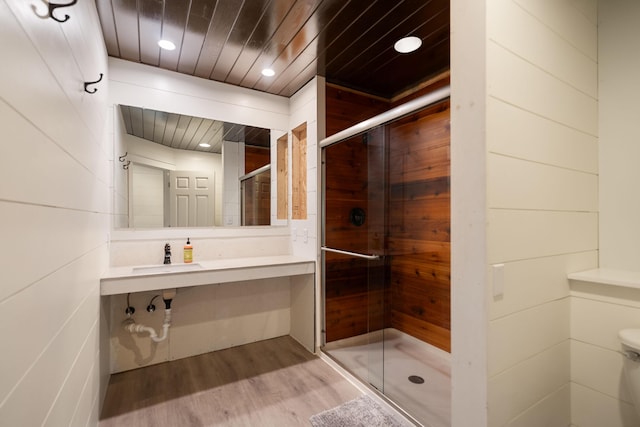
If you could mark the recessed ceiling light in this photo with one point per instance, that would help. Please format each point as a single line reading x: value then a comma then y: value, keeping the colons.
x: 166, y: 44
x: 268, y: 72
x: 204, y: 145
x: 407, y: 44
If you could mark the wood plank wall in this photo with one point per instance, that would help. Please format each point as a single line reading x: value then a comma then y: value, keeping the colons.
x: 346, y: 281
x: 417, y: 270
x: 255, y: 157
x: 347, y: 278
x: 282, y: 177
x: 257, y: 190
x: 299, y: 172
x: 419, y: 225
x: 345, y: 108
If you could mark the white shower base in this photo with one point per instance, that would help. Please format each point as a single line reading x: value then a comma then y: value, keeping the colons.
x: 395, y: 358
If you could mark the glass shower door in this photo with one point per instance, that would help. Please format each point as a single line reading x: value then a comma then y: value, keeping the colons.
x: 386, y: 208
x: 355, y: 272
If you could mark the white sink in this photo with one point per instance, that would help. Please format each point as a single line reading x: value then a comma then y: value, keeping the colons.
x: 167, y: 268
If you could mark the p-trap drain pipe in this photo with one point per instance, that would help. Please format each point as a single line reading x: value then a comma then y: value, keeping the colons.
x: 131, y: 326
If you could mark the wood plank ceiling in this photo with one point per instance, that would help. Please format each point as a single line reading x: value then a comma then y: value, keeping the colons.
x: 350, y: 42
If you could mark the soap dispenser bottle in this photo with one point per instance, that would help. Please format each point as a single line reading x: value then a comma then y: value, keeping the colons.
x: 188, y: 252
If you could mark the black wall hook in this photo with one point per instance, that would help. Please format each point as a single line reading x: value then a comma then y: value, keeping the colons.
x: 121, y: 158
x: 126, y: 165
x: 53, y: 6
x: 92, y: 83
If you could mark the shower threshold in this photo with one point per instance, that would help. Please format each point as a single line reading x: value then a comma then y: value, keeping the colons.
x: 403, y: 359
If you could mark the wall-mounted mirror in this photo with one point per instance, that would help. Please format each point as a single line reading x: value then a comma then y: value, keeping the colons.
x: 186, y: 171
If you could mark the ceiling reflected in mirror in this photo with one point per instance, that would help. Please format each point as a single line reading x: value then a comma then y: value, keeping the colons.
x: 185, y: 132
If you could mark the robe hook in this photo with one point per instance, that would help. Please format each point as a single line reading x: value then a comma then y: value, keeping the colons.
x: 126, y: 165
x: 92, y: 83
x: 53, y: 6
x: 121, y: 158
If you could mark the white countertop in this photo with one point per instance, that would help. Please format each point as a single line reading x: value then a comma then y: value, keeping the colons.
x: 606, y: 276
x: 121, y: 280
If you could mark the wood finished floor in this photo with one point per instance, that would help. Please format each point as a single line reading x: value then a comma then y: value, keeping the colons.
x: 269, y: 383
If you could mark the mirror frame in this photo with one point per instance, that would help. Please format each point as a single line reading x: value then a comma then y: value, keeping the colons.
x: 150, y: 87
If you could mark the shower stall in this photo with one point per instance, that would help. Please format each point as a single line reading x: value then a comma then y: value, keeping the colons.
x: 386, y: 255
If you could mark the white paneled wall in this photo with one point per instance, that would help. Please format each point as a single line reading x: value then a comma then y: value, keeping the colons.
x: 599, y: 389
x: 55, y: 203
x: 304, y: 109
x: 308, y: 106
x: 233, y: 161
x: 150, y: 87
x: 542, y: 198
x: 599, y: 392
x: 468, y: 214
x: 204, y: 319
x: 619, y: 84
x: 120, y: 177
x: 147, y: 190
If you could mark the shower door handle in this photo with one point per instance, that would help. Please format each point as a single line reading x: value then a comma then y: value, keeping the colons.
x: 355, y: 254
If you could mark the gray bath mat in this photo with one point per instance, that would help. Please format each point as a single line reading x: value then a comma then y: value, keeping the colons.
x: 360, y: 412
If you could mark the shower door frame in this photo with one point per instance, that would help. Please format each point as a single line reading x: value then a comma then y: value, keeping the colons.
x: 375, y: 157
x: 395, y: 113
x: 361, y: 128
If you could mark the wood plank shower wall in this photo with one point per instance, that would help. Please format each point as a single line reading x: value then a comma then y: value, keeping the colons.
x: 418, y: 235
x: 257, y: 190
x: 419, y: 225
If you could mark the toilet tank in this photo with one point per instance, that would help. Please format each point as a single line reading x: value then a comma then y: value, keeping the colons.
x: 630, y: 341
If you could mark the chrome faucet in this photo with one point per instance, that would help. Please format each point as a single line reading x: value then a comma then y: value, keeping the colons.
x: 167, y: 254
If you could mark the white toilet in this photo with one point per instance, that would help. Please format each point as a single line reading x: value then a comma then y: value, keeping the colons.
x: 630, y: 340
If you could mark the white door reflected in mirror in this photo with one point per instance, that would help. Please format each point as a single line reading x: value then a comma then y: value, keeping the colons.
x: 191, y: 199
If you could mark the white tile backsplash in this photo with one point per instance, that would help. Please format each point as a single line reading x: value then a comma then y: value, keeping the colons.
x: 205, y: 247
